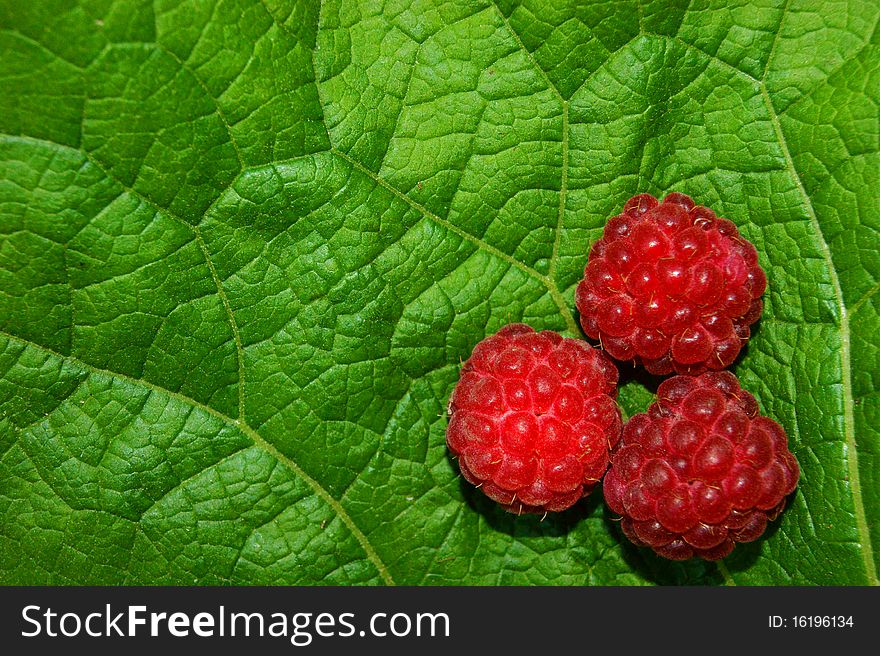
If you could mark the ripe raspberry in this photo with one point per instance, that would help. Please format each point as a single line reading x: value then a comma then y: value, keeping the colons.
x: 701, y: 470
x: 533, y: 417
x: 672, y: 286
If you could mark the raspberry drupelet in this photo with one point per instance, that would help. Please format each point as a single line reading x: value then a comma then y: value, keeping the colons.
x: 701, y: 470
x: 672, y: 286
x: 533, y: 418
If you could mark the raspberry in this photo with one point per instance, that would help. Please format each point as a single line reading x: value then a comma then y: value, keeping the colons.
x: 701, y: 470
x: 672, y: 286
x: 533, y: 417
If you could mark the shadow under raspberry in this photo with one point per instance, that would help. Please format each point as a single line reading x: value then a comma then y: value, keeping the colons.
x: 694, y: 571
x: 526, y: 524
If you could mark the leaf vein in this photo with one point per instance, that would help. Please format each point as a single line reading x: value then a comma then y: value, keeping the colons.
x: 852, y: 456
x: 553, y: 290
x: 255, y: 437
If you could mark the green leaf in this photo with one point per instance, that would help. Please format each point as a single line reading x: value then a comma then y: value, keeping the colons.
x: 245, y: 244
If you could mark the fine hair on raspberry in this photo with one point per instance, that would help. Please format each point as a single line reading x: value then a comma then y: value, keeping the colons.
x: 701, y: 471
x: 533, y: 417
x: 671, y: 286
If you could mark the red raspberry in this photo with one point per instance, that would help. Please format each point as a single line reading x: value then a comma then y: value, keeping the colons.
x: 672, y: 286
x: 701, y: 470
x: 533, y: 417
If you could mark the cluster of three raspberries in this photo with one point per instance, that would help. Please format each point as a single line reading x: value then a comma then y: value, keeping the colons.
x: 533, y: 419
